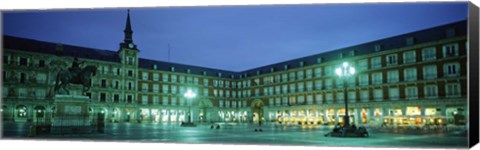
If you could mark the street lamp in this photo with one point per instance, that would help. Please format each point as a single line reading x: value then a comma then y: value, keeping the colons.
x: 344, y: 72
x: 189, y: 95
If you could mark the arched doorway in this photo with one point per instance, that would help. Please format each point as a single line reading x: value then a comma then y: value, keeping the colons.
x: 116, y: 114
x: 39, y: 114
x: 205, y: 114
x: 21, y: 113
x: 257, y: 110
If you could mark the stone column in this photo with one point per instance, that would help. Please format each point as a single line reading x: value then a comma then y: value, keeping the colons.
x: 358, y: 116
x: 404, y: 110
x: 325, y: 115
x: 336, y: 116
x: 370, y: 116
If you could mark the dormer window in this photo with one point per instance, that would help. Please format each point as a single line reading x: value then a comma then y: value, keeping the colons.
x: 172, y: 69
x: 204, y: 73
x: 219, y: 74
x: 155, y: 66
x: 232, y: 76
x: 302, y: 63
x: 272, y: 69
x: 258, y: 72
x: 319, y: 60
x: 352, y: 53
x: 378, y: 47
x: 340, y: 55
x: 450, y: 32
x: 410, y: 41
x: 285, y: 67
x: 188, y: 70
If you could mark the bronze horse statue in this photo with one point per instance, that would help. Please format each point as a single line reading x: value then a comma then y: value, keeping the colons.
x: 65, y: 77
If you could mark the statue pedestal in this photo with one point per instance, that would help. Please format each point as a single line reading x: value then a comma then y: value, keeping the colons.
x: 71, y: 115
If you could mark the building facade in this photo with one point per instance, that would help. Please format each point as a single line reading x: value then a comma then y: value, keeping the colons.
x: 412, y: 79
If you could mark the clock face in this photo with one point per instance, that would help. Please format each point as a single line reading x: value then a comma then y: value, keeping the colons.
x: 130, y: 45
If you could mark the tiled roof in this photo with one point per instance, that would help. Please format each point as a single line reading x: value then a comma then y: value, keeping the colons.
x: 422, y: 36
x: 23, y: 44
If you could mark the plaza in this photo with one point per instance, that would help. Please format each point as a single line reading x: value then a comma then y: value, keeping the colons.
x: 243, y: 133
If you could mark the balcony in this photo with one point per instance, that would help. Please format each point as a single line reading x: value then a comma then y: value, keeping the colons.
x: 376, y: 66
x: 410, y: 78
x: 429, y: 57
x: 393, y: 80
x: 410, y: 97
x: 409, y: 60
x: 430, y: 76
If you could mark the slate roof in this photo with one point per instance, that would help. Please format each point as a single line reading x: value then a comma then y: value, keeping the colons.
x: 422, y: 36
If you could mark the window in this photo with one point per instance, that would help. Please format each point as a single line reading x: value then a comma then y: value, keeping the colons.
x: 156, y: 88
x: 165, y: 77
x: 429, y: 53
x: 378, y: 94
x: 319, y: 98
x: 292, y: 76
x: 165, y: 100
x: 309, y: 86
x: 144, y: 87
x: 205, y: 82
x: 429, y: 72
x: 285, y: 77
x: 339, y: 82
x: 364, y: 96
x: 130, y: 87
x: 309, y: 73
x: 328, y: 83
x: 328, y: 71
x: 329, y: 98
x: 144, y: 100
x: 431, y: 91
x: 410, y: 74
x: 451, y: 69
x: 23, y: 61
x: 300, y: 75
x: 392, y: 76
x: 376, y: 62
x: 378, y: 48
x: 318, y: 72
x: 362, y: 65
x: 156, y: 100
x: 173, y: 101
x: 363, y: 79
x: 393, y: 93
x: 409, y: 57
x: 450, y: 50
x: 164, y: 89
x: 292, y: 88
x: 452, y: 90
x: 285, y: 89
x: 103, y: 97
x: 41, y: 63
x: 377, y: 78
x: 103, y: 83
x: 129, y: 99
x: 352, y: 96
x: 391, y: 59
x: 285, y: 101
x: 411, y: 92
x: 155, y: 77
x: 300, y: 86
x: 116, y: 98
x: 309, y: 99
x: 301, y: 99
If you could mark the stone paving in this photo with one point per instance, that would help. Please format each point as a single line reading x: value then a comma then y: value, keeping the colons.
x: 273, y: 134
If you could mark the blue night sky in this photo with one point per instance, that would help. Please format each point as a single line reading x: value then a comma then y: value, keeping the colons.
x: 233, y: 38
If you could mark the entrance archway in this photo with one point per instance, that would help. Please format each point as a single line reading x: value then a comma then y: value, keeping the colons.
x: 39, y: 114
x: 21, y: 113
x: 205, y: 114
x: 257, y: 110
x: 4, y: 112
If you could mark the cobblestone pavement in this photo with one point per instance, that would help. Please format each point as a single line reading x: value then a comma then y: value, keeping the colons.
x: 272, y: 134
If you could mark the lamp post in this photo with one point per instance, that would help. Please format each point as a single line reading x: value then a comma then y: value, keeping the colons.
x: 189, y: 95
x: 344, y: 72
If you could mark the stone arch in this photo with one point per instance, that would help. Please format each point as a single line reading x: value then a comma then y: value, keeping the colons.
x: 205, y: 113
x: 5, y: 112
x: 257, y: 110
x: 21, y: 113
x: 39, y: 113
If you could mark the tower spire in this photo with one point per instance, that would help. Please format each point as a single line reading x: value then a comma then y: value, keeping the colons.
x: 128, y: 30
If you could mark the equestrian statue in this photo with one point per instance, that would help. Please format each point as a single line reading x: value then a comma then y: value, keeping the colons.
x: 75, y: 75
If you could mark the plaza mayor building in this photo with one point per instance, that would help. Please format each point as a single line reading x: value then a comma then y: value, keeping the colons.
x: 415, y: 78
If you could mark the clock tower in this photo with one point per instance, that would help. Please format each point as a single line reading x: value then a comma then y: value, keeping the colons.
x: 128, y: 55
x: 128, y: 41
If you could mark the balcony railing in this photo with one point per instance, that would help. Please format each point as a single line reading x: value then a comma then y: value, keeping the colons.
x: 430, y: 76
x: 409, y: 60
x: 429, y: 57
